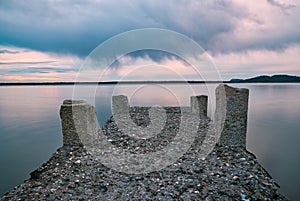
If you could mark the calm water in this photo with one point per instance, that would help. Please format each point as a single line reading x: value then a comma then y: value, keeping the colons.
x: 30, y: 129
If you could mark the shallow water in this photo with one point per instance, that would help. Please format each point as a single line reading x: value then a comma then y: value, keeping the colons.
x: 30, y: 129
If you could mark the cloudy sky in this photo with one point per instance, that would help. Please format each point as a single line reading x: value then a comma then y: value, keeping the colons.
x: 49, y: 40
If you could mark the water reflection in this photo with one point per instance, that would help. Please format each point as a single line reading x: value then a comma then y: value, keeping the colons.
x: 273, y: 132
x: 30, y: 130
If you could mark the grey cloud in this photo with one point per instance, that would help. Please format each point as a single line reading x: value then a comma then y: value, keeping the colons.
x: 77, y: 27
x: 35, y: 70
x: 284, y: 7
x: 66, y: 26
x: 8, y: 52
x: 51, y: 69
x: 26, y: 62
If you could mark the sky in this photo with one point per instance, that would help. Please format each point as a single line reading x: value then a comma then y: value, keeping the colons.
x: 50, y: 40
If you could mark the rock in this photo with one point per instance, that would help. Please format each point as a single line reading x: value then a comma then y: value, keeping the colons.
x: 153, y: 191
x: 242, y: 159
x: 235, y: 177
x: 35, y: 174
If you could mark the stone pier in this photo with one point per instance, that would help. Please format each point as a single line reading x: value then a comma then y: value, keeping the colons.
x: 230, y: 116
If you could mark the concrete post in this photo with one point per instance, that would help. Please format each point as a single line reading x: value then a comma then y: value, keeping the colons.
x: 199, y: 105
x: 232, y: 108
x: 120, y: 105
x: 79, y: 121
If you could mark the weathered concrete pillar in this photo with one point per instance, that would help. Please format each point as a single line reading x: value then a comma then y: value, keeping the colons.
x: 120, y: 105
x: 232, y: 109
x: 79, y: 121
x: 199, y: 105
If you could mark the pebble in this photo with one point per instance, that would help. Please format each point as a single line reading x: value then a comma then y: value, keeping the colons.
x: 153, y: 191
x: 242, y: 159
x: 235, y: 177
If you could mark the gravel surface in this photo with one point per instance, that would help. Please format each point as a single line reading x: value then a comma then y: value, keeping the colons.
x: 227, y: 173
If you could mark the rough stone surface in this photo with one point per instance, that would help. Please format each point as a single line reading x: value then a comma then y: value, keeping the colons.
x: 231, y: 113
x: 199, y: 105
x: 120, y: 105
x: 70, y: 136
x: 77, y: 117
x: 227, y: 173
x: 157, y: 117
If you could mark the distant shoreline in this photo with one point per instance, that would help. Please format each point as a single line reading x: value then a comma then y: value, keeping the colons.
x: 258, y: 79
x: 114, y: 83
x: 107, y: 83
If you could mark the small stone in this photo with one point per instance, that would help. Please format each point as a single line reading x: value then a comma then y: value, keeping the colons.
x: 243, y: 197
x: 190, y: 180
x: 78, y: 162
x: 242, y: 159
x: 235, y: 177
x: 153, y: 191
x: 71, y: 191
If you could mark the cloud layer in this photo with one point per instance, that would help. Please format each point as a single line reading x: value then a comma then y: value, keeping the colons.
x: 225, y: 28
x: 79, y: 26
x: 19, y: 64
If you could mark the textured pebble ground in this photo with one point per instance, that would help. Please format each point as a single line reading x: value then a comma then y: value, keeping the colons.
x: 227, y: 173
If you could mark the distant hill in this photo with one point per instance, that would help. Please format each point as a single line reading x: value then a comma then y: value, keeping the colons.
x: 265, y: 78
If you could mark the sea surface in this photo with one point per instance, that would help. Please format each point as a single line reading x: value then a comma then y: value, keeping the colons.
x: 30, y: 127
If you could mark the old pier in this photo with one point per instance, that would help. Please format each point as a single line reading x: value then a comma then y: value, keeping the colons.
x: 230, y: 115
